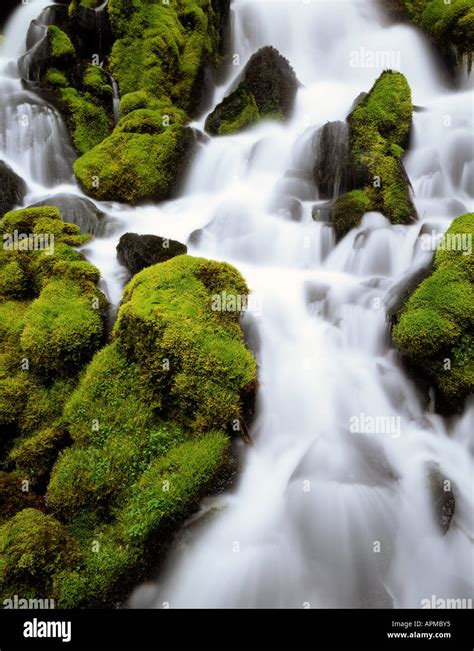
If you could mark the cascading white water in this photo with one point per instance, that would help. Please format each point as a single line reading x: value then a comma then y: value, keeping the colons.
x: 33, y: 137
x: 314, y: 501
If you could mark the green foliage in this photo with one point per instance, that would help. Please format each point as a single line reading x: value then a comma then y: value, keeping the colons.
x: 97, y: 83
x: 45, y: 338
x: 438, y: 320
x: 34, y: 548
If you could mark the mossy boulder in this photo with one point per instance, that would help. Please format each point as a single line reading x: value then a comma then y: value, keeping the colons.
x: 449, y: 25
x: 134, y: 167
x: 434, y: 331
x: 150, y: 421
x: 15, y: 495
x: 139, y: 251
x: 266, y: 90
x: 379, y: 131
x: 52, y: 322
x: 34, y: 548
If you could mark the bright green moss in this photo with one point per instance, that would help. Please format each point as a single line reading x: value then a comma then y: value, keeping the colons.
x: 132, y: 167
x: 379, y: 129
x: 33, y: 549
x: 448, y: 24
x: 60, y: 43
x: 236, y: 112
x: 55, y: 78
x: 348, y: 211
x: 210, y: 368
x: 97, y: 83
x: 25, y: 219
x: 148, y: 422
x: 63, y: 328
x: 182, y: 476
x: 89, y: 122
x: 35, y: 456
x: 435, y: 329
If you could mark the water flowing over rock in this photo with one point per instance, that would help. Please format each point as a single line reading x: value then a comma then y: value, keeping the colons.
x: 12, y: 189
x: 139, y: 251
x: 332, y: 168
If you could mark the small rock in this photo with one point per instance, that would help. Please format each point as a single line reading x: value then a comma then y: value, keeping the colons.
x: 139, y: 251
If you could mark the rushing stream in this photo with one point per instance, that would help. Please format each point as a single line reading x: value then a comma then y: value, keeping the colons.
x: 320, y: 516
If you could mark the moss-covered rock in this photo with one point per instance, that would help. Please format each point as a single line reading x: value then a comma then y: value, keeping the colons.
x: 133, y: 167
x: 52, y: 322
x: 55, y: 50
x: 266, y: 90
x: 15, y: 495
x: 379, y: 130
x: 449, y: 25
x: 150, y: 421
x: 434, y: 332
x: 34, y: 548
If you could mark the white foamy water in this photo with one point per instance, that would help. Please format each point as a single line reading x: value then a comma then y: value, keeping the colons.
x: 314, y: 502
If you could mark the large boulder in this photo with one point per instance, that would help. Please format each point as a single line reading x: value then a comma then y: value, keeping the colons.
x: 12, y: 189
x: 266, y: 90
x: 134, y: 167
x: 139, y: 251
x: 434, y: 331
x: 379, y: 132
x: 91, y: 28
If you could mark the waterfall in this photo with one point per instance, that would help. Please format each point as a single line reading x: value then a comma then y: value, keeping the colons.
x: 322, y: 514
x: 33, y: 137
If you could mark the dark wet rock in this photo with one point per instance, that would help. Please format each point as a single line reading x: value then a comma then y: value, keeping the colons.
x: 53, y: 15
x: 443, y: 498
x: 265, y: 90
x: 12, y: 189
x: 77, y: 210
x: 139, y: 251
x: 332, y: 170
x: 91, y: 30
x: 401, y: 292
